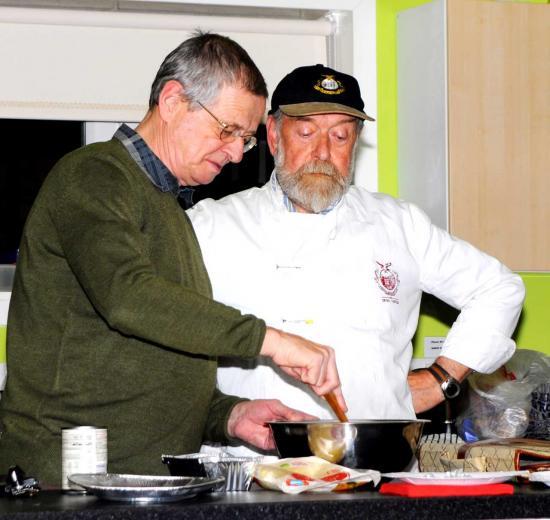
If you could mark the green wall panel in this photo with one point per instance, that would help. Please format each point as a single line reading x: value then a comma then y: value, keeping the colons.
x: 2, y: 343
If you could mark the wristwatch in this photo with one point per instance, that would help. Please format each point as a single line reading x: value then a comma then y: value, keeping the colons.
x: 449, y: 385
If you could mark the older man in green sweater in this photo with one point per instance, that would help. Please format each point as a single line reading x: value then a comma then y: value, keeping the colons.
x: 111, y: 322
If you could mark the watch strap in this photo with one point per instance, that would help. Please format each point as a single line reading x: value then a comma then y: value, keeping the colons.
x: 440, y: 374
x: 449, y: 385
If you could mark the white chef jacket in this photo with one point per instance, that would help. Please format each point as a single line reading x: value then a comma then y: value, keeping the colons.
x: 352, y: 279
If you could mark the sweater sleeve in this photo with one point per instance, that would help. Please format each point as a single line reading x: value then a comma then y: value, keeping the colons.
x: 218, y: 415
x: 99, y: 217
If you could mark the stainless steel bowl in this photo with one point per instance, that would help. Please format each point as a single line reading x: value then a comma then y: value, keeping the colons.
x: 383, y: 445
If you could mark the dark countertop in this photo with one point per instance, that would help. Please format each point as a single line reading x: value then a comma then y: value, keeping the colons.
x: 528, y: 501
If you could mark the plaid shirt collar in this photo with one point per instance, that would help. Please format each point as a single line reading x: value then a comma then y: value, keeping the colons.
x: 152, y: 166
x: 288, y: 204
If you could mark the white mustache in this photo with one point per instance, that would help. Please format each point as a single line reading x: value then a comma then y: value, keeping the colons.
x: 324, y: 167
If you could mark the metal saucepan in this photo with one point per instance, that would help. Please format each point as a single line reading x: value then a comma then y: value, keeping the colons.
x: 383, y: 445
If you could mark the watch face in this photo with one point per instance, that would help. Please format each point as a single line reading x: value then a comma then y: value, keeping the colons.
x: 451, y: 388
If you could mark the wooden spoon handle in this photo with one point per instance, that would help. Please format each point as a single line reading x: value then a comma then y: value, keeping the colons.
x: 333, y: 403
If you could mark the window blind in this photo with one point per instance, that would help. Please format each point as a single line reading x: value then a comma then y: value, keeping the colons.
x: 99, y: 66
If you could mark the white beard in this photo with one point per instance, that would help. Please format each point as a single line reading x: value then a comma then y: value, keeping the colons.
x: 315, y: 186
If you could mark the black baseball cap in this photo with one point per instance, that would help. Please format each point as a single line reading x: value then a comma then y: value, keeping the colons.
x: 317, y: 89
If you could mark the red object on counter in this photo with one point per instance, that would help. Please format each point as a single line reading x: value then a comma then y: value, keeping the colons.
x: 405, y: 489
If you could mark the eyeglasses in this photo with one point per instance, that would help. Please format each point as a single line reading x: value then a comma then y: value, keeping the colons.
x: 228, y: 133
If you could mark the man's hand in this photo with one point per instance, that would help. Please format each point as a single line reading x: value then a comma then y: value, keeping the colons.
x: 305, y: 360
x: 247, y: 420
x: 426, y: 391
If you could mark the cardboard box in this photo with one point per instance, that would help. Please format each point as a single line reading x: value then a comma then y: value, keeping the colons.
x: 489, y: 455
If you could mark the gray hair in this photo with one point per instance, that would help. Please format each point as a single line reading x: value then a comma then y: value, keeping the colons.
x: 203, y: 64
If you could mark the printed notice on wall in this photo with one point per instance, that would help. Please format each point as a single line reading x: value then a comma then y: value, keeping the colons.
x: 433, y: 346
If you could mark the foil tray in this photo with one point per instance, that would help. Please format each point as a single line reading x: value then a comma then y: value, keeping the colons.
x: 236, y: 471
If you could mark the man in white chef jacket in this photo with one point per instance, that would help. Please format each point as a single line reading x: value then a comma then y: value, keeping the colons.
x: 316, y: 256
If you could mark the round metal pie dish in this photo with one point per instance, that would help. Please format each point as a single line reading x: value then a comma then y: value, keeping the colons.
x: 142, y: 488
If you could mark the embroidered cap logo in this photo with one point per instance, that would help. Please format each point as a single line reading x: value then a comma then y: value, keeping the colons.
x: 329, y: 85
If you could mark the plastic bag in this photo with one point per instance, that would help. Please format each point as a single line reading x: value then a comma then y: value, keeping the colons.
x: 296, y: 475
x: 500, y: 403
x: 539, y: 418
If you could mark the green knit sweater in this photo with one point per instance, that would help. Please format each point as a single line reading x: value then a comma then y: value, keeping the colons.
x: 112, y: 324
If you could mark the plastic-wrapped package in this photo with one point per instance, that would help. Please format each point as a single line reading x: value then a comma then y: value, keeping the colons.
x: 296, y: 475
x: 500, y: 403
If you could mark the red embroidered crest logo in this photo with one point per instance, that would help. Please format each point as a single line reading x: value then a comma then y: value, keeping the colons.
x: 386, y: 278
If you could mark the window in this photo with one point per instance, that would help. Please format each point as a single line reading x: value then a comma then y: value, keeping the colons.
x: 29, y: 150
